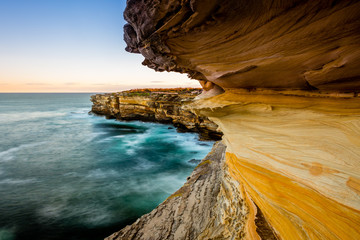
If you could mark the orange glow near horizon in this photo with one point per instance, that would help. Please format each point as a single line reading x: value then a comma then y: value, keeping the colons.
x: 96, y: 84
x: 111, y: 74
x: 71, y: 46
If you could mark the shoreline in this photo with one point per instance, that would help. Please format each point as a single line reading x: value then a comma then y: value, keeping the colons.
x: 165, y: 106
x: 208, y: 174
x: 201, y: 208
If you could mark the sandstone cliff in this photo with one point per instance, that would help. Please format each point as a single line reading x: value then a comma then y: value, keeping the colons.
x: 293, y: 44
x: 202, y: 208
x: 296, y: 155
x: 164, y: 106
x: 289, y: 74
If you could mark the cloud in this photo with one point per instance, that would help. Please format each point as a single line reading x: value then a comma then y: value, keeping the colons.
x: 71, y: 83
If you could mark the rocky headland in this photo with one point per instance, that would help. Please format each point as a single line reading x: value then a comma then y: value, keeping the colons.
x: 156, y: 105
x: 281, y: 81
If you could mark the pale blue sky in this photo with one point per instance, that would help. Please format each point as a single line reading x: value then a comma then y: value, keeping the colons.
x: 71, y: 46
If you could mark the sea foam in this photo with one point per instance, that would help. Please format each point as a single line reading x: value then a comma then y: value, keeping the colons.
x: 8, y: 155
x: 12, y: 181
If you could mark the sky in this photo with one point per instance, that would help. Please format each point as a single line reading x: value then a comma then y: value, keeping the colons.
x: 71, y: 46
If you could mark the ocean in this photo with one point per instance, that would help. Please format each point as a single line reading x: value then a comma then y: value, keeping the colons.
x: 65, y: 174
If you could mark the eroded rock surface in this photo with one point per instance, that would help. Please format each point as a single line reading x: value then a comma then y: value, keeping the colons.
x: 290, y: 113
x: 297, y: 155
x: 209, y: 206
x: 296, y: 44
x: 156, y: 106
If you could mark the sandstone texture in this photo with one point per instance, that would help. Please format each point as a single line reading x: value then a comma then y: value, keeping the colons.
x: 293, y: 44
x: 210, y: 205
x: 164, y: 106
x: 297, y: 156
x: 281, y: 81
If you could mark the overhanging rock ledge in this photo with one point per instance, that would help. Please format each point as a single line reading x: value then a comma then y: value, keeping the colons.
x: 290, y: 112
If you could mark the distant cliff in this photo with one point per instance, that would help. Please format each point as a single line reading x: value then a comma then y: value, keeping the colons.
x: 162, y: 105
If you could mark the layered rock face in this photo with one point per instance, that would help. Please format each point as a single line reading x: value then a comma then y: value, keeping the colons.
x: 163, y: 106
x: 297, y: 44
x: 290, y: 113
x: 297, y: 156
x: 199, y: 209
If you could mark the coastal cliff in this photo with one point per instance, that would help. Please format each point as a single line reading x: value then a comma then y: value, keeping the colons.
x: 281, y: 80
x: 293, y: 44
x: 296, y: 155
x: 156, y: 105
x: 197, y: 210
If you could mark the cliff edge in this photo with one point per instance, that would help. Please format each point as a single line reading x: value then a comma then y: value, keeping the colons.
x: 156, y: 105
x: 281, y: 80
x: 201, y: 209
x: 293, y: 44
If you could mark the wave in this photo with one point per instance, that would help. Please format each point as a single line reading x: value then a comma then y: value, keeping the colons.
x: 80, y: 111
x: 7, y: 234
x: 95, y: 135
x: 133, y: 143
x: 160, y: 183
x: 52, y: 210
x: 96, y: 173
x: 72, y: 174
x: 17, y: 117
x: 143, y: 164
x: 8, y: 155
x: 87, y: 214
x: 107, y: 139
x: 11, y: 181
x: 99, y: 173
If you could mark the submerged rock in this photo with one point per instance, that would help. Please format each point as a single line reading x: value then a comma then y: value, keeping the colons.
x: 194, y: 161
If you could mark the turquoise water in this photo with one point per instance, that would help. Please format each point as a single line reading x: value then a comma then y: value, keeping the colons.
x: 65, y: 174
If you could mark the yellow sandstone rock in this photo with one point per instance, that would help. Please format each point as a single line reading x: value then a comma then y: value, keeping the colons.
x: 281, y: 80
x: 297, y: 158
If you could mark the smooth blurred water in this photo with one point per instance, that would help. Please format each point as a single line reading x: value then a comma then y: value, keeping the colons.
x: 65, y: 174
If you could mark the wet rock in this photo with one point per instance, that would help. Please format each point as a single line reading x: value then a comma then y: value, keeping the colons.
x: 194, y: 161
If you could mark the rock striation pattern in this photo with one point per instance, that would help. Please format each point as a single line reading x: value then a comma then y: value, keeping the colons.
x: 208, y: 206
x: 289, y: 77
x: 296, y: 155
x: 163, y: 106
x: 293, y: 44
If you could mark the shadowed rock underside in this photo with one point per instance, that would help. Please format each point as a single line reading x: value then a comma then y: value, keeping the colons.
x: 295, y: 44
